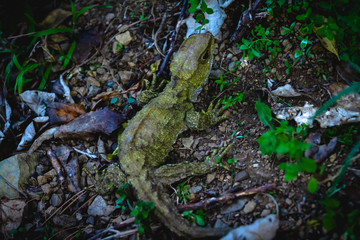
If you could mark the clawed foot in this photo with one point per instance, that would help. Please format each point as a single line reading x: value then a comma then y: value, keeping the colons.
x: 151, y: 89
x: 215, y: 113
x: 215, y: 158
x: 105, y: 180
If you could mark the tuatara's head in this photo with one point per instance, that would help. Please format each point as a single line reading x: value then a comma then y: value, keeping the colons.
x: 191, y: 64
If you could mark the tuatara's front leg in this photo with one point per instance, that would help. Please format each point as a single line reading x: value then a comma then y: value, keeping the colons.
x: 171, y: 173
x: 204, y: 119
x: 152, y: 89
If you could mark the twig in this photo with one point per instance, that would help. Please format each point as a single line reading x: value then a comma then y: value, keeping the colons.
x: 157, y: 33
x: 172, y: 41
x: 224, y: 198
x: 14, y: 187
x: 246, y: 20
x: 56, y: 165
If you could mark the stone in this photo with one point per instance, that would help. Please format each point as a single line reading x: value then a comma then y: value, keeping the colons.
x: 187, y: 142
x: 240, y: 176
x: 16, y: 170
x: 195, y: 189
x: 210, y: 177
x: 108, y: 17
x: 93, y: 82
x: 125, y: 76
x: 249, y: 207
x: 56, y: 199
x: 238, y: 205
x: 287, y: 45
x: 99, y: 207
x: 124, y: 38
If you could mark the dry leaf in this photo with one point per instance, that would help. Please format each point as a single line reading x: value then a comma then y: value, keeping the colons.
x: 330, y: 45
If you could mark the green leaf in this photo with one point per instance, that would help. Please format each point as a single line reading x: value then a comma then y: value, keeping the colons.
x: 303, y: 43
x: 69, y: 54
x: 256, y: 53
x: 264, y: 113
x: 328, y: 222
x: 330, y: 203
x: 312, y: 185
x: 51, y: 31
x: 209, y: 11
x: 200, y: 220
x: 298, y: 54
x: 45, y: 77
x: 281, y: 2
x: 309, y: 165
x: 84, y: 9
x: 193, y: 5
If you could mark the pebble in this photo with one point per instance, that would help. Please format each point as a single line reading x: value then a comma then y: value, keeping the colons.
x: 108, y: 17
x: 110, y: 83
x: 229, y: 56
x: 124, y: 38
x: 195, y: 189
x: 286, y: 43
x: 232, y: 66
x: 78, y: 216
x: 265, y: 212
x: 125, y: 76
x: 46, y: 188
x: 93, y: 82
x: 210, y: 177
x: 56, y: 199
x: 240, y: 176
x: 99, y: 207
x: 238, y: 205
x: 249, y: 207
x: 187, y: 142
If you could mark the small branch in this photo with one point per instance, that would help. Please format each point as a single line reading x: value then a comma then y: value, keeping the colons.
x: 172, y: 39
x: 246, y: 20
x: 224, y: 198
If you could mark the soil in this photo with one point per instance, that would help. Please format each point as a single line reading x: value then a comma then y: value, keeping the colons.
x: 300, y: 211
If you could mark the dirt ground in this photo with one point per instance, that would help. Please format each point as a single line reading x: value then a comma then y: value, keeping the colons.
x: 103, y: 68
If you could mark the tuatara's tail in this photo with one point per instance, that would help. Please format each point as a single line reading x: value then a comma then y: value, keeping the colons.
x: 168, y: 214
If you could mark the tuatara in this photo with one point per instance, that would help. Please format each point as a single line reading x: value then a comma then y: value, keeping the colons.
x: 149, y: 136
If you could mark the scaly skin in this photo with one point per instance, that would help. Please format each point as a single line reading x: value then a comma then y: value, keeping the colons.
x: 149, y: 136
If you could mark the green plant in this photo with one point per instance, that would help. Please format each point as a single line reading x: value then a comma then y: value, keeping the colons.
x: 350, y: 220
x: 288, y: 29
x: 259, y: 42
x: 305, y: 46
x: 286, y: 139
x: 200, y: 17
x: 183, y: 191
x: 225, y: 83
x: 142, y: 213
x: 231, y: 102
x: 345, y: 135
x: 142, y: 17
x: 288, y: 67
x: 121, y: 191
x: 28, y: 70
x: 198, y: 217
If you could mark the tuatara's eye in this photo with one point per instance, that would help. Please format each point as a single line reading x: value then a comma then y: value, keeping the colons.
x: 206, y: 55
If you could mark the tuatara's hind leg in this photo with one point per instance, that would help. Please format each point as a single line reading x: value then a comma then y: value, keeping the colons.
x: 172, y: 173
x: 107, y: 179
x: 151, y: 90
